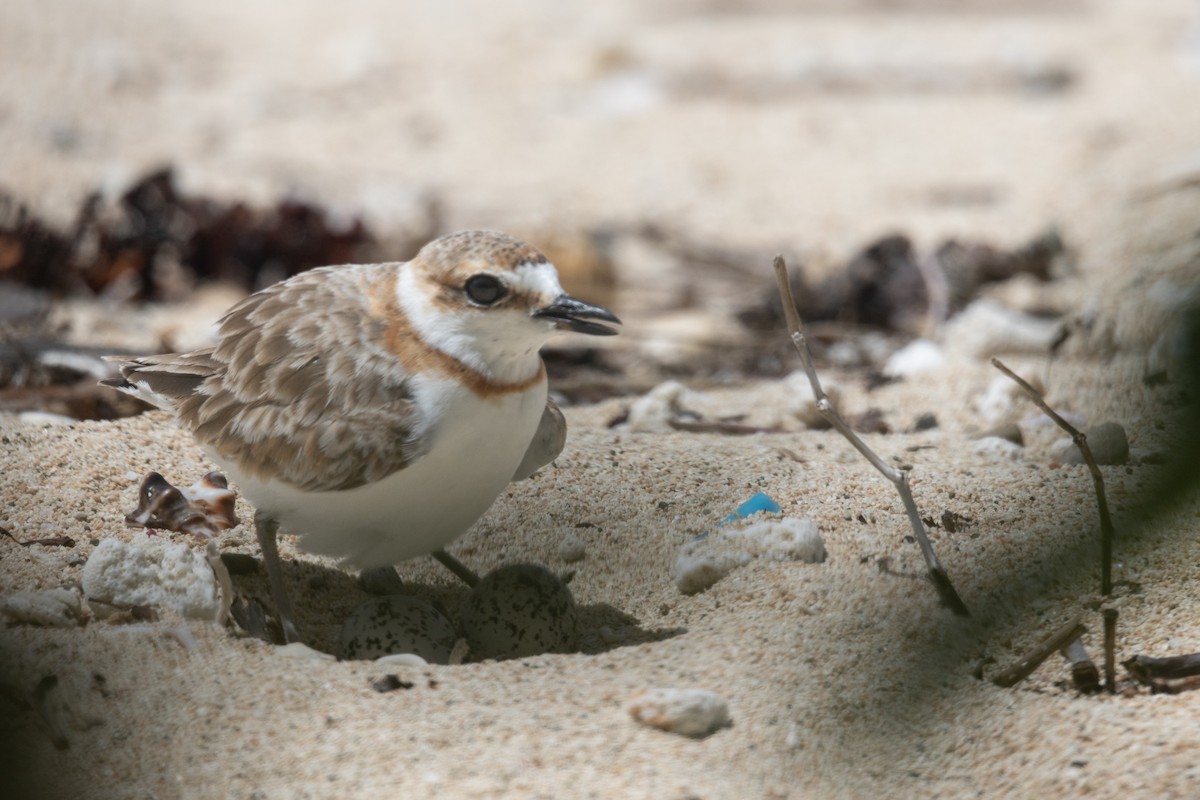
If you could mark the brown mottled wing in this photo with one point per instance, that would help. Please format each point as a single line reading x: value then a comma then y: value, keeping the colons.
x: 299, y: 387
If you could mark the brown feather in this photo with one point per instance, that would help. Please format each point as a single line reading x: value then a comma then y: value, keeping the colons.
x: 293, y: 390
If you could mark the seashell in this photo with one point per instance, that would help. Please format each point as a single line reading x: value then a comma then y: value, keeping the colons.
x: 202, y: 509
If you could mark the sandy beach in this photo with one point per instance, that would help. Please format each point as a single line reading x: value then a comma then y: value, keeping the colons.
x: 809, y: 129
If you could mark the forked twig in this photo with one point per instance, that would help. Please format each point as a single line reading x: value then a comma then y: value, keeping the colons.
x: 1106, y: 527
x: 1080, y: 439
x: 899, y: 478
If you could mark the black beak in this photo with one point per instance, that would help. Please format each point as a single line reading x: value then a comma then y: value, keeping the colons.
x: 573, y: 315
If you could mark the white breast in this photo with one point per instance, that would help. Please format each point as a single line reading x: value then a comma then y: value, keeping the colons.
x: 476, y: 447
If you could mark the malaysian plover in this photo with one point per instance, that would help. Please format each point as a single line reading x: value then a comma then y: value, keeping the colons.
x: 377, y: 410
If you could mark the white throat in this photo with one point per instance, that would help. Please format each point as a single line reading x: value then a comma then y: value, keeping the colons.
x: 501, y: 344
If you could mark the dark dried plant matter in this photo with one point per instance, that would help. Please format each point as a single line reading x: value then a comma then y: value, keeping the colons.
x: 138, y: 246
x: 892, y: 285
x: 151, y: 243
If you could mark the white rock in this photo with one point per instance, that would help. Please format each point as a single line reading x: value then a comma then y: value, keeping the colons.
x: 58, y: 608
x: 1004, y: 400
x: 1062, y: 450
x: 702, y: 562
x: 998, y: 449
x: 45, y: 419
x: 572, y: 549
x: 688, y: 712
x: 653, y: 412
x: 401, y: 660
x: 300, y: 650
x: 916, y: 357
x: 154, y: 572
x: 802, y: 404
x: 986, y: 328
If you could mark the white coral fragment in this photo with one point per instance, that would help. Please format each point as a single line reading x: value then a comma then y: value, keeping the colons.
x: 704, y: 561
x: 154, y: 572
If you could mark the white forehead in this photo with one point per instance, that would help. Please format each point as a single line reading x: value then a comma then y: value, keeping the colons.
x: 534, y: 279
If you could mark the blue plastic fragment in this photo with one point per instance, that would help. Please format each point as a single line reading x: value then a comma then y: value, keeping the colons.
x: 755, y: 505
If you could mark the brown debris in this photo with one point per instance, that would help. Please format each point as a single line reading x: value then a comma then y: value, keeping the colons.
x: 889, y: 284
x: 53, y: 541
x: 1024, y: 666
x: 1146, y: 669
x: 122, y: 250
x: 202, y: 509
x: 390, y: 683
x: 251, y: 617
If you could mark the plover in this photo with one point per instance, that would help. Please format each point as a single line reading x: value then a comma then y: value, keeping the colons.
x: 378, y: 410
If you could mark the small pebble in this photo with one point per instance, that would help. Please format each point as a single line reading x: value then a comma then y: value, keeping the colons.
x: 572, y: 549
x: 653, y: 412
x: 1107, y: 442
x: 519, y: 610
x: 1004, y: 400
x: 987, y: 328
x: 925, y: 422
x: 403, y: 660
x: 915, y: 358
x: 687, y: 712
x: 302, y: 651
x: 44, y: 419
x: 998, y: 449
x: 397, y: 624
x: 1010, y: 431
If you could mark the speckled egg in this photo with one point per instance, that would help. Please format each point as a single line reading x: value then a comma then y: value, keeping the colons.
x: 519, y: 610
x: 397, y: 624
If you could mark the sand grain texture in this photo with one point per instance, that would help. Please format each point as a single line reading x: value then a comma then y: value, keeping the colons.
x: 814, y: 129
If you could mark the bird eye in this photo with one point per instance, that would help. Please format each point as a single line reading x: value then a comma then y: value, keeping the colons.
x: 484, y: 289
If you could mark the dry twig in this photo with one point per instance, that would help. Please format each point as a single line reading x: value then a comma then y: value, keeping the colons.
x: 461, y: 570
x: 1110, y: 648
x: 1106, y: 526
x: 1146, y: 668
x: 1025, y: 665
x: 1080, y: 439
x: 899, y: 478
x: 1167, y: 686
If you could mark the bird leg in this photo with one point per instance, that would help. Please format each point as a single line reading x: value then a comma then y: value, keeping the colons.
x: 266, y: 527
x: 460, y: 569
